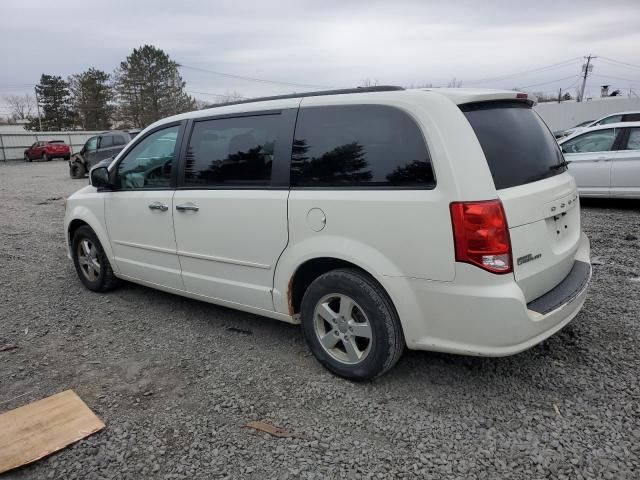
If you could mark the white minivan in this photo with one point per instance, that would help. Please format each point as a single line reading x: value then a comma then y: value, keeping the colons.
x: 378, y: 218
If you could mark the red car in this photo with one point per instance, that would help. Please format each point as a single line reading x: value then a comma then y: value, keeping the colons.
x: 47, y: 150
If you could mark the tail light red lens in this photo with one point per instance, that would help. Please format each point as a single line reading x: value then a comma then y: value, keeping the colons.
x: 481, y: 235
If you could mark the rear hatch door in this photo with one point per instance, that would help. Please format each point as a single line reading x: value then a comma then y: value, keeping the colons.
x: 540, y: 198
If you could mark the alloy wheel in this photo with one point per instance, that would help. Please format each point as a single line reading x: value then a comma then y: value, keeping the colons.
x: 342, y: 328
x: 88, y: 259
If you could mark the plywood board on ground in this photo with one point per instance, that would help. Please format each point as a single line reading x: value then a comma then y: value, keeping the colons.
x: 40, y: 428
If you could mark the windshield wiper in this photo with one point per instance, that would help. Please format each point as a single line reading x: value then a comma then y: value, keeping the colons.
x: 562, y: 164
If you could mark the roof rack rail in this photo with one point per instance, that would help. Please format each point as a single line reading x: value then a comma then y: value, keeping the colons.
x: 342, y: 91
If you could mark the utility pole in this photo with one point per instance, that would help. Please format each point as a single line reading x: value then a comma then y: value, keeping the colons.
x: 560, y: 95
x: 585, y: 67
x: 38, y: 107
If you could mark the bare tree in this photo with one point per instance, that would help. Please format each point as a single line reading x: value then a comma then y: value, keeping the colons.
x: 454, y: 83
x: 200, y: 104
x: 367, y: 82
x: 22, y: 106
x: 420, y: 85
x: 233, y: 96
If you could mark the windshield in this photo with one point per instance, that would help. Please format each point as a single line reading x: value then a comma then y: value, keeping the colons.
x: 517, y: 144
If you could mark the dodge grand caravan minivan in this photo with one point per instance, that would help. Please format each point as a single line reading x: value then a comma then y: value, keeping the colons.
x: 377, y: 218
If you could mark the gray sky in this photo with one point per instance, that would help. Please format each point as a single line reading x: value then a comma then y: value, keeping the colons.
x: 329, y: 43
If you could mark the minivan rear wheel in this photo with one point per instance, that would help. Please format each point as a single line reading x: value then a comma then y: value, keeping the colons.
x: 351, y: 325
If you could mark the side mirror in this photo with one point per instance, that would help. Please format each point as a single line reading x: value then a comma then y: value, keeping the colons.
x: 99, y: 177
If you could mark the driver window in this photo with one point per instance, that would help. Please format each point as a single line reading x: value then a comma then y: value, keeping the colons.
x: 150, y: 162
x: 598, y: 141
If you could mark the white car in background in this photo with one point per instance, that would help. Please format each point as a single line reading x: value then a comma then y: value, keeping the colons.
x: 609, y: 119
x: 605, y: 160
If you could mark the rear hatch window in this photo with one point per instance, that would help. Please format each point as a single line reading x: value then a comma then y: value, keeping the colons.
x: 517, y: 144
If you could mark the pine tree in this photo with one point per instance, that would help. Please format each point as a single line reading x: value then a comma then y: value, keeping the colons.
x: 54, y: 99
x: 149, y: 87
x: 91, y: 96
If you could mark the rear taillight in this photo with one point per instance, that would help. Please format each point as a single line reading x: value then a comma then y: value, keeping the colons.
x: 481, y: 235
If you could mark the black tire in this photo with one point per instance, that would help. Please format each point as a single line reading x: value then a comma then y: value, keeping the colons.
x: 105, y: 280
x: 26, y: 158
x: 77, y: 170
x: 45, y: 157
x: 386, y: 342
x: 67, y: 157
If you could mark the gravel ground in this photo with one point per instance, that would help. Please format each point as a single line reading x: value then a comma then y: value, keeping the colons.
x: 176, y: 379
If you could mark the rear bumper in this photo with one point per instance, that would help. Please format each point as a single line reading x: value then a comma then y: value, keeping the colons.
x: 484, y: 314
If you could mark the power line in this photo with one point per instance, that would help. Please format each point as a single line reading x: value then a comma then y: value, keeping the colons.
x: 613, y: 60
x: 617, y: 78
x: 17, y: 85
x: 550, y: 81
x: 252, y: 79
x: 526, y: 72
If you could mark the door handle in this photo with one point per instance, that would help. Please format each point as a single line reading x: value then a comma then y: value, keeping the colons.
x: 187, y: 207
x: 158, y: 206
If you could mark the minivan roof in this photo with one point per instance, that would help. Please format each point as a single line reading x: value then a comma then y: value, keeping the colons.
x: 319, y: 93
x: 456, y: 95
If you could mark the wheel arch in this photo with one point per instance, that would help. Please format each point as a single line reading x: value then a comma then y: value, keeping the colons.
x: 74, y: 225
x: 313, y: 268
x: 82, y: 215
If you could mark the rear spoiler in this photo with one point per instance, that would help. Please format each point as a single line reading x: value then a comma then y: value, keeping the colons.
x: 468, y: 95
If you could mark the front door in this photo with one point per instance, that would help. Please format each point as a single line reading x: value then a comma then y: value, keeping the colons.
x: 230, y: 218
x: 625, y: 172
x: 590, y: 155
x: 139, y: 213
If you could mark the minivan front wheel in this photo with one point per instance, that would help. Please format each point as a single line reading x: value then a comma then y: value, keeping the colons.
x: 92, y: 264
x: 351, y: 325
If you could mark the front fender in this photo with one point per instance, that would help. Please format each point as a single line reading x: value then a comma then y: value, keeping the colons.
x: 91, y: 212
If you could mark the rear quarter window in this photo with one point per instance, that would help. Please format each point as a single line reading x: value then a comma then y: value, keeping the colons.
x: 517, y: 144
x: 359, y: 146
